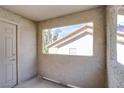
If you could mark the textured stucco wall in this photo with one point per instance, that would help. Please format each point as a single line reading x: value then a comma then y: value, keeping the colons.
x: 82, y: 71
x: 27, y: 66
x: 115, y: 69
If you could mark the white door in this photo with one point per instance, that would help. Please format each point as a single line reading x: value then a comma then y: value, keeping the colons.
x: 8, y: 76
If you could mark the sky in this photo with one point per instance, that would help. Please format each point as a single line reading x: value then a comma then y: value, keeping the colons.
x: 66, y: 29
x: 120, y: 19
x: 120, y: 23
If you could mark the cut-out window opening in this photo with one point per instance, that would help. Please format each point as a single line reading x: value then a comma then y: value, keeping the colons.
x: 120, y: 38
x: 69, y: 40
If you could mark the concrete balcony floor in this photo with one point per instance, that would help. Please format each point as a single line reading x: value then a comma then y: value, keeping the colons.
x: 39, y: 83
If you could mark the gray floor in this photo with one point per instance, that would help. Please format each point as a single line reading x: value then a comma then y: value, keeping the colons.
x: 39, y: 83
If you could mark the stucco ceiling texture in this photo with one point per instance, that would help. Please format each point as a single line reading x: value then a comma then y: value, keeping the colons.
x: 44, y: 12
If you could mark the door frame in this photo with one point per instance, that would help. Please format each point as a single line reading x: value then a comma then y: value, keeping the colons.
x: 17, y: 48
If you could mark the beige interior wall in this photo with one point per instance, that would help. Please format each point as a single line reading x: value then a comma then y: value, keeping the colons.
x: 81, y: 71
x: 27, y: 66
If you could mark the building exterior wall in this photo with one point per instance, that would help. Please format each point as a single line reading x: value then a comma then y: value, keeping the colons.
x: 81, y: 71
x: 27, y: 66
x: 83, y: 46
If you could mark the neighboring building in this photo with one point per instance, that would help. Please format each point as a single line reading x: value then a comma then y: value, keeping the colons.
x: 79, y: 42
x: 120, y: 47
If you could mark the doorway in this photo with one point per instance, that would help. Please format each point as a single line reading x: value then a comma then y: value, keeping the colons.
x: 8, y: 54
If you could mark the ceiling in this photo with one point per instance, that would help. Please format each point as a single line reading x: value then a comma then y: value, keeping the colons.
x: 43, y: 12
